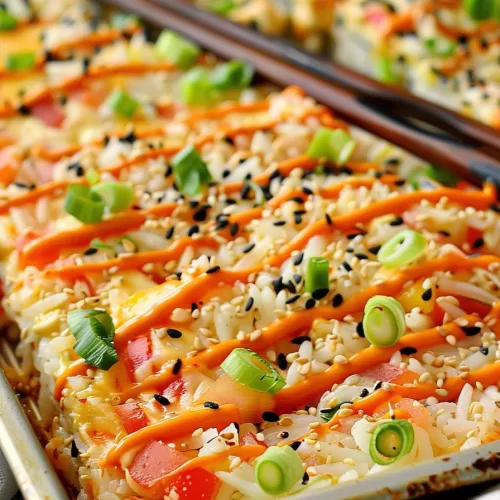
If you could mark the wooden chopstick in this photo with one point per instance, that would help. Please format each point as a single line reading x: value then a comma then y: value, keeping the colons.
x: 387, y: 98
x: 447, y: 152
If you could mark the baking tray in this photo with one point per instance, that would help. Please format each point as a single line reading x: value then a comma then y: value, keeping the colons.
x: 29, y: 463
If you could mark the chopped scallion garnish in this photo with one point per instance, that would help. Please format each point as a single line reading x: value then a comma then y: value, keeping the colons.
x: 123, y: 104
x: 174, y: 48
x: 250, y: 370
x: 196, y: 88
x: 402, y: 249
x: 383, y: 321
x: 94, y: 332
x: 316, y: 274
x: 222, y: 7
x: 384, y: 70
x: 122, y: 20
x: 7, y: 21
x: 480, y: 10
x: 440, y: 46
x: 83, y: 204
x: 20, y: 61
x: 278, y: 469
x: 232, y: 75
x: 190, y: 171
x: 390, y: 441
x: 118, y: 196
x: 336, y: 146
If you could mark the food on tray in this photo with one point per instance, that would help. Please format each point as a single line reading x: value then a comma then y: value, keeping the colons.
x: 445, y: 51
x: 224, y: 291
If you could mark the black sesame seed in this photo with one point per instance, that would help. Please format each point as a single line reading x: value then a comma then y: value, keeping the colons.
x: 90, y: 251
x: 297, y: 260
x: 378, y: 385
x: 346, y: 266
x: 446, y: 234
x: 349, y: 250
x: 193, y: 203
x: 169, y: 233
x: 374, y: 250
x: 211, y: 405
x: 310, y: 303
x: 226, y: 173
x: 229, y: 140
x: 297, y: 219
x: 354, y: 235
x: 297, y: 278
x: 427, y: 295
x: 478, y: 243
x: 177, y: 366
x: 130, y: 137
x: 408, y: 350
x: 282, y: 362
x: 162, y: 399
x: 293, y: 299
x: 295, y: 445
x: 337, y: 300
x: 484, y: 350
x: 400, y: 182
x: 221, y: 224
x: 249, y: 304
x: 213, y: 269
x: 284, y: 434
x: 364, y: 393
x: 193, y: 230
x: 360, y: 330
x: 194, y: 307
x: 305, y: 478
x: 346, y: 170
x: 79, y: 171
x: 168, y: 171
x: 248, y: 248
x: 300, y: 340
x: 297, y: 199
x: 495, y: 208
x: 328, y: 219
x: 279, y: 223
x: 397, y: 221
x: 470, y: 331
x: 290, y: 286
x: 377, y: 175
x: 270, y: 416
x: 234, y: 228
x: 175, y: 334
x: 200, y: 215
x: 361, y: 256
x: 22, y: 109
x: 392, y: 161
x: 319, y: 293
x: 307, y: 191
x: 245, y: 191
x: 278, y: 284
x: 74, y: 450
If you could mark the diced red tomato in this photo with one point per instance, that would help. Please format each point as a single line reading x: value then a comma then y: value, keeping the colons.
x: 465, y: 186
x: 195, y: 483
x: 49, y: 111
x: 251, y: 439
x: 137, y: 353
x: 472, y: 235
x: 418, y: 414
x: 471, y: 306
x: 175, y: 390
x: 250, y: 403
x: 375, y: 14
x: 384, y: 372
x: 154, y: 462
x: 132, y: 416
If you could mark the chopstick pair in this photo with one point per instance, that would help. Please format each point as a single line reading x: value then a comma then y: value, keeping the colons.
x: 436, y: 134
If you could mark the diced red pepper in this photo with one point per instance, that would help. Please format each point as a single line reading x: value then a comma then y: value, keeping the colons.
x: 132, y: 416
x: 154, y: 462
x: 384, y: 372
x: 175, y: 390
x: 250, y: 438
x: 49, y: 111
x: 195, y: 483
x: 137, y: 353
x: 472, y: 236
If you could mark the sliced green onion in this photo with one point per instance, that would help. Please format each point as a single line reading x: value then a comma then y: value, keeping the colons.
x: 131, y: 246
x: 118, y: 196
x: 260, y: 197
x: 480, y: 10
x: 390, y: 441
x: 196, y: 88
x: 334, y: 145
x: 250, y: 370
x: 122, y: 20
x: 92, y: 176
x: 97, y: 243
x: 190, y: 171
x: 384, y: 70
x: 316, y: 274
x: 94, y: 332
x: 20, y: 61
x: 383, y: 321
x: 7, y: 21
x: 232, y: 75
x: 174, y: 48
x: 123, y: 104
x: 278, y: 469
x: 83, y: 204
x: 402, y: 249
x: 440, y: 46
x: 328, y: 413
x: 222, y: 7
x: 444, y: 177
